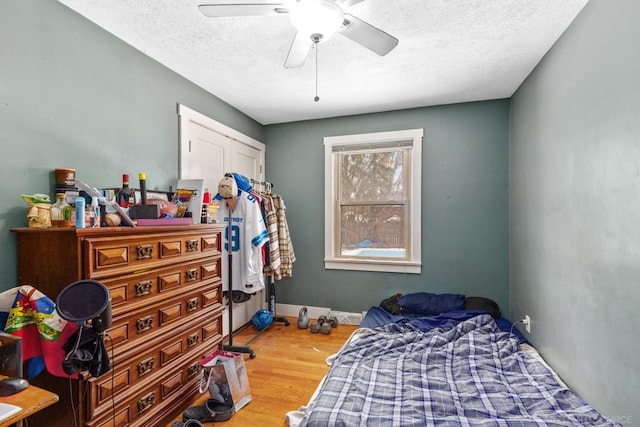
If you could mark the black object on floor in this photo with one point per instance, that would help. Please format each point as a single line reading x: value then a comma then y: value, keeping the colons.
x: 187, y: 423
x: 211, y: 411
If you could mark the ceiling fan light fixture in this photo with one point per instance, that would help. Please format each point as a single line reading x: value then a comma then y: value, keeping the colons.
x: 316, y: 17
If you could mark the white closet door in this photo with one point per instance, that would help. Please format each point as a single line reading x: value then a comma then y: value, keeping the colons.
x: 247, y: 161
x: 209, y: 149
x: 207, y: 157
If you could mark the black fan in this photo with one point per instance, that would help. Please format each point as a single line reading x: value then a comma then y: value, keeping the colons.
x: 315, y: 22
x: 80, y: 302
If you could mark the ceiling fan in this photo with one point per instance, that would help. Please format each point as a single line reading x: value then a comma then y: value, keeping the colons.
x: 315, y: 21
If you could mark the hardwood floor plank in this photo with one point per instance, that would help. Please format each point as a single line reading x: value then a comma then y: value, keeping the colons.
x: 288, y: 366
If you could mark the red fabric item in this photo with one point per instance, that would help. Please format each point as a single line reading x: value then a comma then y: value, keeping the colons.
x: 33, y: 318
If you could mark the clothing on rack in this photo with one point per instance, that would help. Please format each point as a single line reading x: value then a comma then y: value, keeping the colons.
x: 248, y: 235
x: 272, y: 266
x: 271, y: 203
x: 287, y: 255
x: 281, y: 255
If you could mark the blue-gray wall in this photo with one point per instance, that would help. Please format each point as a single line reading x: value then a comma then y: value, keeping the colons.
x: 73, y: 95
x: 575, y: 206
x: 464, y: 205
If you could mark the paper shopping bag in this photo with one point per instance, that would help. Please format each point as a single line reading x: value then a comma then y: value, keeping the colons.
x: 224, y: 375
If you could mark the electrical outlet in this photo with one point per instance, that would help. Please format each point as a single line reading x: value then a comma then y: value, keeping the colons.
x: 527, y: 323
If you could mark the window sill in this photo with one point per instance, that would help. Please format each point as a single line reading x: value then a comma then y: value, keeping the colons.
x: 373, y: 265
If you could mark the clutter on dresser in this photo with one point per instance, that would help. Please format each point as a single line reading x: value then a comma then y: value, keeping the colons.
x: 39, y: 213
x: 77, y: 204
x: 144, y: 210
x: 125, y: 196
x: 188, y: 197
x: 111, y: 206
x: 60, y: 212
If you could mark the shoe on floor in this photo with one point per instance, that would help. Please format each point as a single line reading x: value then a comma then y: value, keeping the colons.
x: 211, y: 411
x: 188, y: 423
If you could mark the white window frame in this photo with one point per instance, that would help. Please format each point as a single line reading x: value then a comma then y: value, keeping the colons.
x: 331, y: 260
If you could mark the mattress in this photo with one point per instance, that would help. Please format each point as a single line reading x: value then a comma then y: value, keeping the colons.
x: 471, y: 374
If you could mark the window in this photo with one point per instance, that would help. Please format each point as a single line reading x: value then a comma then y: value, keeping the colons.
x: 372, y: 201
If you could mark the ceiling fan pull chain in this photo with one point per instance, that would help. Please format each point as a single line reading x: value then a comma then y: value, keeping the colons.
x: 315, y: 45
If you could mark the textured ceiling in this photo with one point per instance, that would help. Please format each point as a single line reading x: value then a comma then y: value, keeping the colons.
x: 449, y: 51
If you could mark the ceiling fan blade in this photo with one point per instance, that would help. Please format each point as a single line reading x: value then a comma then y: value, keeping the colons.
x: 348, y: 3
x: 367, y: 35
x: 298, y: 51
x: 242, y: 9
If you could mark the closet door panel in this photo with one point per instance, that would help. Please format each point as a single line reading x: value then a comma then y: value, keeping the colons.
x: 246, y: 160
x: 208, y: 156
x: 208, y: 150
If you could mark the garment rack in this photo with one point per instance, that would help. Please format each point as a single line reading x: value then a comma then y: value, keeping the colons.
x: 271, y: 286
x: 266, y: 184
x: 230, y: 346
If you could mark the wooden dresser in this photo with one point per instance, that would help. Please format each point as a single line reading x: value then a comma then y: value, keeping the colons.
x: 165, y: 287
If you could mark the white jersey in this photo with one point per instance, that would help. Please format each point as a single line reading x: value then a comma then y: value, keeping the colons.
x: 248, y: 235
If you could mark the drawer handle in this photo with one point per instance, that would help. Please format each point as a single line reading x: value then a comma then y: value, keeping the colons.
x: 192, y: 245
x: 146, y: 402
x: 145, y: 367
x: 144, y: 251
x: 191, y: 275
x: 192, y: 340
x: 143, y: 288
x: 192, y: 370
x: 192, y: 304
x: 144, y: 324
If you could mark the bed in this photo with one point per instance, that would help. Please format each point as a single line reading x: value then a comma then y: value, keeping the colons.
x: 461, y: 367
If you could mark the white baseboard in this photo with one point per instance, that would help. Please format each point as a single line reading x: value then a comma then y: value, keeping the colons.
x: 343, y: 317
x: 347, y: 318
x: 294, y: 310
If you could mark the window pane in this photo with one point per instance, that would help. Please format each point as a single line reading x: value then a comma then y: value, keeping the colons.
x: 373, y: 176
x: 373, y: 231
x: 372, y: 201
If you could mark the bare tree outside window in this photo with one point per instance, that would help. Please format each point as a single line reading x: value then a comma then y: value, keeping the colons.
x: 373, y: 200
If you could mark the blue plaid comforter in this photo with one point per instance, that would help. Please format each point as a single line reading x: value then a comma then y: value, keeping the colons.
x: 470, y: 375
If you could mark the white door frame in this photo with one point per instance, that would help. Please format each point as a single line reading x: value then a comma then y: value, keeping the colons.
x: 187, y: 115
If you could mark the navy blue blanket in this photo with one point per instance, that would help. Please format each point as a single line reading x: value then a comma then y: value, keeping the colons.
x: 377, y: 316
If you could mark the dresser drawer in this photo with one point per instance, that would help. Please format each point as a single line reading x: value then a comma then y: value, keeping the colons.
x: 135, y: 328
x: 131, y: 291
x: 109, y: 256
x: 174, y: 388
x: 120, y: 419
x: 136, y: 368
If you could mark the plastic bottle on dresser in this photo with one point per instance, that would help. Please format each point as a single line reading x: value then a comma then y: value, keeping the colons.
x: 125, y: 195
x: 94, y: 213
x: 58, y: 211
x: 206, y: 200
x: 80, y: 216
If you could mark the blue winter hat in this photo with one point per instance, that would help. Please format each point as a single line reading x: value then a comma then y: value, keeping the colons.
x: 244, y: 183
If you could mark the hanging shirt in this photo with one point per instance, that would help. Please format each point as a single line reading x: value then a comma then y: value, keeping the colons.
x: 269, y: 213
x: 245, y: 238
x: 287, y: 256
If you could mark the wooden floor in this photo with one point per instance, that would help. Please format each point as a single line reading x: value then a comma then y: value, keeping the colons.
x: 289, y: 364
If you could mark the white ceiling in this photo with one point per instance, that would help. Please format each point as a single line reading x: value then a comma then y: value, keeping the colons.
x: 450, y: 51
